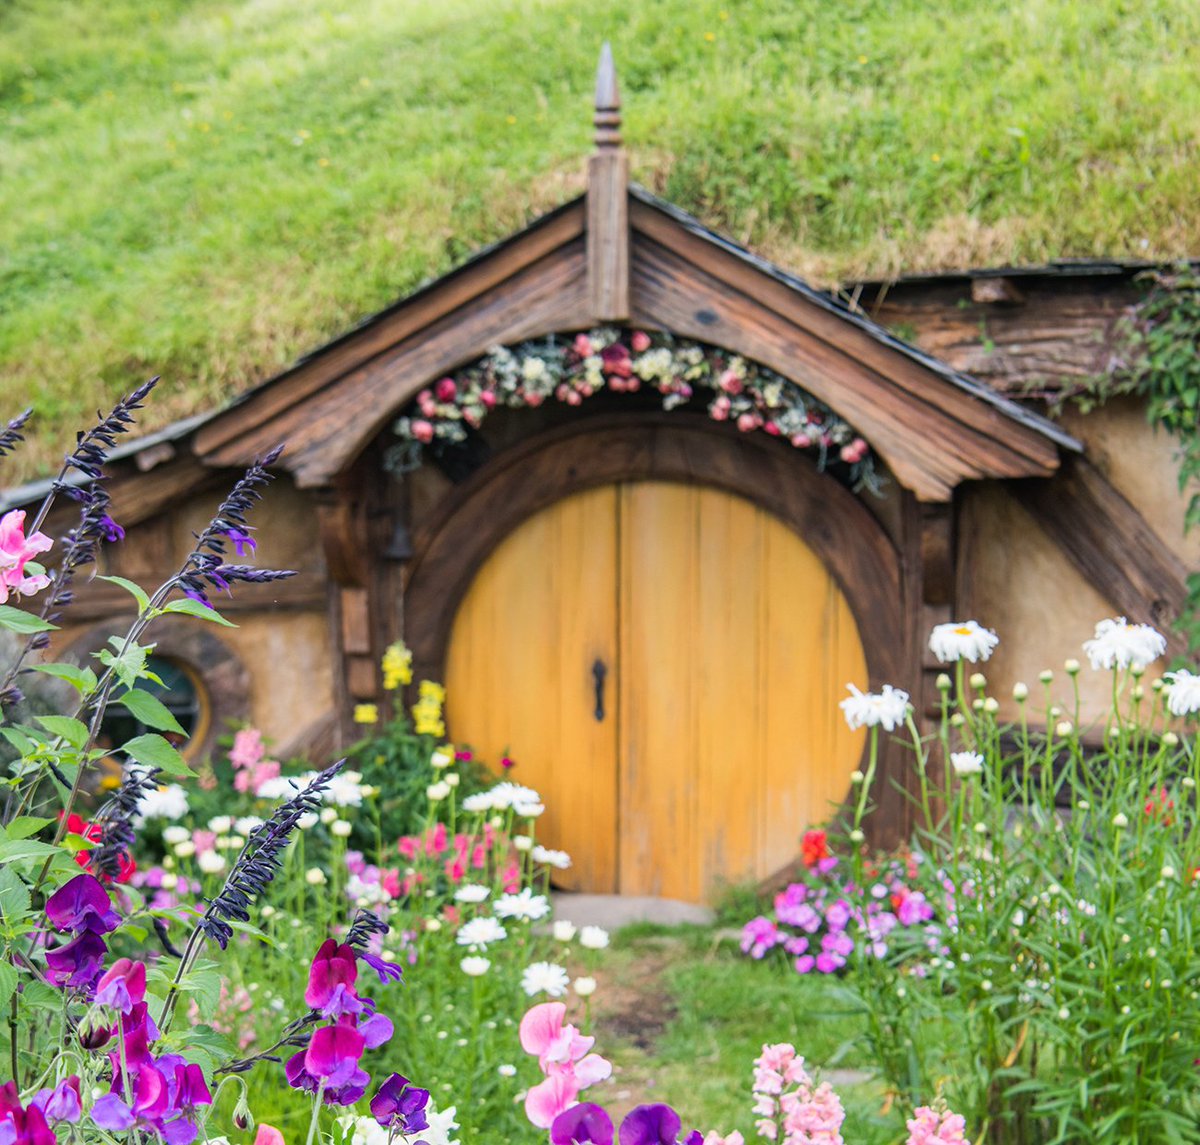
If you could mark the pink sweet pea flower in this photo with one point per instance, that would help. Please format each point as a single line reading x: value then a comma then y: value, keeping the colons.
x: 268, y: 1135
x: 331, y: 980
x: 15, y: 550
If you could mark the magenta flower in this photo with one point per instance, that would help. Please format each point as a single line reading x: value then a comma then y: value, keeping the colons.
x: 654, y: 1125
x: 78, y: 963
x: 187, y: 1091
x: 123, y: 985
x: 82, y: 904
x: 150, y: 1103
x: 585, y: 1123
x: 26, y: 1127
x: 331, y: 981
x: 15, y: 550
x: 399, y: 1106
x: 333, y: 1053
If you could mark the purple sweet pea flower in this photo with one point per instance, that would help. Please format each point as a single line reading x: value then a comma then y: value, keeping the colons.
x: 26, y: 1127
x: 654, y: 1125
x: 299, y: 1077
x: 78, y: 963
x: 187, y: 1090
x: 149, y: 1105
x: 82, y: 904
x: 584, y: 1123
x: 334, y: 1052
x: 122, y: 986
x: 61, y: 1103
x: 399, y: 1106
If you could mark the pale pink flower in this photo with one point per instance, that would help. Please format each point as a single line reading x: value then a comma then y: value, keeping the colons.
x: 714, y: 1138
x: 15, y: 550
x: 931, y: 1127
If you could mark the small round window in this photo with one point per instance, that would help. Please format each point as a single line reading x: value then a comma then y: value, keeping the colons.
x: 180, y: 692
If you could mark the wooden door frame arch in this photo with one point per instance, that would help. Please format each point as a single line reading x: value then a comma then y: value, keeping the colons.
x: 513, y: 486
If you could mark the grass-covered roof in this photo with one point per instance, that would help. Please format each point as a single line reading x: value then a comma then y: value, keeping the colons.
x: 206, y: 188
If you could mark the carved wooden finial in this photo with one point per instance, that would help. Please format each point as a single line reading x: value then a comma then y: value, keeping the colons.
x: 607, y: 118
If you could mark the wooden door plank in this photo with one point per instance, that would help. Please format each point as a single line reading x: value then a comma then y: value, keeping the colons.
x: 537, y: 614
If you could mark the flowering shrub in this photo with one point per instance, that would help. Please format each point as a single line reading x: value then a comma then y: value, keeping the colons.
x: 1061, y: 1000
x: 819, y: 923
x: 623, y: 361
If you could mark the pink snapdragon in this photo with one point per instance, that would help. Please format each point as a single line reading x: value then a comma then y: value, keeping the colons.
x: 788, y: 1103
x: 16, y: 550
x: 936, y: 1127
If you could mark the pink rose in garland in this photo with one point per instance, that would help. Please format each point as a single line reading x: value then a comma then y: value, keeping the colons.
x: 16, y: 550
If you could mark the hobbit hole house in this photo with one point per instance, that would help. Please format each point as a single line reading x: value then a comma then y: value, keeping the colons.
x: 646, y: 504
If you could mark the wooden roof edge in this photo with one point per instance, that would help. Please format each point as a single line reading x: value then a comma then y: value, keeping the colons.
x: 977, y: 389
x: 1059, y: 268
x: 32, y: 491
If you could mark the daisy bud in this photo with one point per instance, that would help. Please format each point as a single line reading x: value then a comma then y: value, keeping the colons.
x: 978, y: 680
x: 1137, y: 671
x: 564, y: 929
x: 433, y: 925
x: 308, y: 820
x: 1046, y: 676
x: 1120, y: 821
x: 1083, y: 805
x: 977, y: 705
x: 943, y: 682
x: 1138, y: 693
x: 856, y: 836
x: 1064, y: 728
x: 1168, y: 872
x: 957, y: 720
x: 1071, y: 667
x: 453, y: 779
x: 1020, y: 692
x: 981, y: 828
x: 1170, y: 740
x: 856, y: 777
x: 991, y: 705
x: 1188, y: 782
x: 585, y: 987
x: 522, y: 842
x: 328, y: 815
x: 315, y: 877
x: 1156, y: 685
x: 341, y: 829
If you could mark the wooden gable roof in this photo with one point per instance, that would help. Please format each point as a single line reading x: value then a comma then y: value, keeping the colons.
x: 619, y: 254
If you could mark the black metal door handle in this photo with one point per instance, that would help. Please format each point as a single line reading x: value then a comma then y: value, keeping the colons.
x: 599, y: 671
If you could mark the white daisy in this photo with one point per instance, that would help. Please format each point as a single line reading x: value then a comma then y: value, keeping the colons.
x: 593, y: 937
x: 480, y: 931
x: 475, y: 965
x: 560, y: 860
x: 564, y: 929
x: 962, y: 640
x: 1119, y: 644
x: 505, y: 795
x: 545, y: 978
x: 525, y: 905
x: 869, y: 709
x: 481, y: 801
x: 345, y: 790
x: 966, y: 762
x: 471, y: 893
x: 1182, y: 692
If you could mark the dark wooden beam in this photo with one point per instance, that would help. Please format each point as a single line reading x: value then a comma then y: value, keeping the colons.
x: 608, y: 203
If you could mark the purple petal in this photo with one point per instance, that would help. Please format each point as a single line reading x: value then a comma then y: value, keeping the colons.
x: 650, y: 1125
x: 110, y: 1112
x: 376, y: 1030
x: 582, y: 1123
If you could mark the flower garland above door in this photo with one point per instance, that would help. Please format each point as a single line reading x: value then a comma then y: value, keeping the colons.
x: 570, y: 370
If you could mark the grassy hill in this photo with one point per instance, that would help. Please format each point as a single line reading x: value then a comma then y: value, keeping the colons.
x: 206, y: 188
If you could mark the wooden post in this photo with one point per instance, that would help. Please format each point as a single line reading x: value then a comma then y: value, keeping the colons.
x: 608, y: 203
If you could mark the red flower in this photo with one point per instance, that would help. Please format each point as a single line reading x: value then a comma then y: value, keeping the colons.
x: 616, y: 360
x: 77, y: 825
x: 813, y: 848
x: 1159, y: 806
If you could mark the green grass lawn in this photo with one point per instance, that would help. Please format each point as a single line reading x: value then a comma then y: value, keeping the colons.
x: 707, y: 1011
x: 205, y: 189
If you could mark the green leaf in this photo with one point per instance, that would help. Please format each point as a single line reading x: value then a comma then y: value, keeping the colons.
x: 150, y: 710
x: 186, y: 606
x: 23, y: 622
x: 8, y: 982
x: 134, y: 590
x: 82, y: 678
x: 15, y: 901
x: 25, y: 825
x: 128, y: 665
x: 18, y: 739
x: 76, y: 843
x: 154, y: 751
x: 72, y: 730
x: 17, y: 850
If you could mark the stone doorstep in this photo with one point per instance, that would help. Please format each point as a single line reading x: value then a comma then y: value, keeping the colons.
x: 615, y: 911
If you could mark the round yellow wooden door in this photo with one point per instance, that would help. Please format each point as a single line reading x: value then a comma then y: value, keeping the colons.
x: 664, y: 663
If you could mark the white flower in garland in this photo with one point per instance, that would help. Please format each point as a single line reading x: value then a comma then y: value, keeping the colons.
x: 1119, y: 644
x: 962, y: 640
x: 1182, y: 692
x: 888, y: 708
x: 545, y: 978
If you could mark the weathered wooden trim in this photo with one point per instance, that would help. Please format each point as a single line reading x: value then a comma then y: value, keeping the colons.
x: 1111, y: 545
x: 409, y: 317
x: 95, y: 600
x: 477, y: 515
x: 326, y: 433
x: 608, y: 236
x: 932, y: 434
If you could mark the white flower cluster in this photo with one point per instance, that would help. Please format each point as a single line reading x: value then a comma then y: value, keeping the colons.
x: 1119, y: 644
x: 169, y: 802
x: 367, y: 1131
x: 524, y: 802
